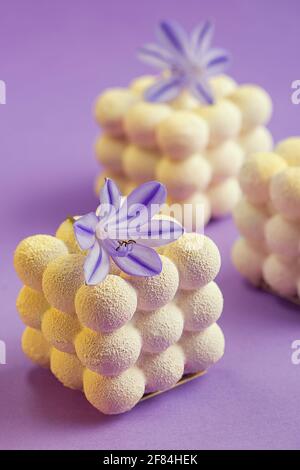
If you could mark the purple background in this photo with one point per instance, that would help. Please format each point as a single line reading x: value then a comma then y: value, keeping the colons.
x: 55, y: 57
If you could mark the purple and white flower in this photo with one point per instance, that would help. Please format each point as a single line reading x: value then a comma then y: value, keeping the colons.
x: 189, y: 62
x: 124, y: 230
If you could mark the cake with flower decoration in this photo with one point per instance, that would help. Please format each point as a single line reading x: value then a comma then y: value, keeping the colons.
x: 121, y: 303
x: 268, y: 218
x: 190, y: 127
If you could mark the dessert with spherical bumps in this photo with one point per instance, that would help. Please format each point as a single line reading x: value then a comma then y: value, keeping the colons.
x: 117, y: 319
x: 190, y: 127
x: 268, y: 218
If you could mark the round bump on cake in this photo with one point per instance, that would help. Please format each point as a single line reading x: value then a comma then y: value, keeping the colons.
x: 182, y: 134
x: 60, y: 329
x: 223, y: 119
x: 281, y: 275
x: 256, y: 174
x: 32, y: 256
x: 255, y: 105
x: 142, y: 121
x: 156, y: 291
x: 130, y: 186
x: 251, y: 220
x: 183, y: 178
x: 35, y: 347
x: 107, y: 305
x: 110, y: 353
x: 114, y: 269
x: 163, y: 216
x: 201, y: 307
x: 197, y: 259
x: 120, y: 181
x: 224, y: 196
x: 67, y: 369
x: 283, y: 236
x: 226, y: 160
x: 113, y: 395
x: 31, y: 305
x: 248, y: 261
x: 163, y: 370
x: 258, y: 139
x: 61, y: 280
x: 112, y: 107
x: 139, y: 85
x: 202, y: 349
x: 222, y: 86
x: 109, y: 152
x: 160, y: 328
x: 140, y: 164
x: 289, y: 149
x: 285, y: 192
x: 65, y: 232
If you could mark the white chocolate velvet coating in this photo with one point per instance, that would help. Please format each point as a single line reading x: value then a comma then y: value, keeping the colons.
x: 202, y: 349
x: 33, y: 255
x: 109, y: 152
x: 111, y: 107
x: 256, y: 175
x: 141, y: 123
x: 224, y: 196
x: 255, y: 105
x: 222, y: 134
x: 139, y: 164
x: 61, y: 280
x: 223, y: 119
x: 289, y: 150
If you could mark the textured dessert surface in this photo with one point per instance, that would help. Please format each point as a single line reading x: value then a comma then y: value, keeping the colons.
x: 196, y: 150
x: 268, y: 218
x: 125, y: 336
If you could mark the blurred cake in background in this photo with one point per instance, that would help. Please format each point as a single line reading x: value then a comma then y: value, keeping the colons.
x: 190, y: 127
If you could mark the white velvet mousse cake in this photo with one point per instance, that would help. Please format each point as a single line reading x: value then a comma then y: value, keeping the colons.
x: 116, y: 318
x: 268, y: 218
x: 189, y: 127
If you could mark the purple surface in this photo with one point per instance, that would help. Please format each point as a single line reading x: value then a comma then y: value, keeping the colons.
x: 55, y: 58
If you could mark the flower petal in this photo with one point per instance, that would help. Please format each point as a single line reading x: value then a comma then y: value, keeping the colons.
x: 160, y: 232
x: 155, y: 55
x: 140, y: 206
x: 215, y: 61
x: 84, y: 229
x: 202, y: 37
x: 165, y: 89
x: 201, y: 90
x: 96, y: 266
x: 172, y: 36
x: 140, y: 261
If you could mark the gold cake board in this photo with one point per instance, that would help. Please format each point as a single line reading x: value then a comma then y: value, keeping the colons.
x: 266, y: 288
x: 186, y: 378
